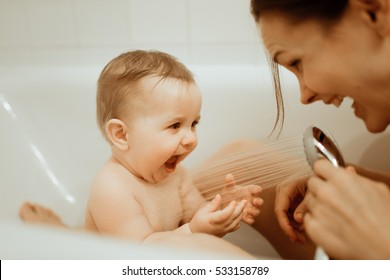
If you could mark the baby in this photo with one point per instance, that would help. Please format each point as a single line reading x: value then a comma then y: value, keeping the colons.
x: 148, y: 108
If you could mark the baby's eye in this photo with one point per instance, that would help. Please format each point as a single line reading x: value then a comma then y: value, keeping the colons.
x: 195, y: 123
x: 175, y: 126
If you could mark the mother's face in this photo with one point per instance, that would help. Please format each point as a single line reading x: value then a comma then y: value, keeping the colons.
x: 330, y: 64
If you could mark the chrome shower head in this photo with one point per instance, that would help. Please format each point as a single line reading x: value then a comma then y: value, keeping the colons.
x: 320, y: 143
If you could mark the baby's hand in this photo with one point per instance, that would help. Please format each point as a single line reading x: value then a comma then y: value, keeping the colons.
x: 214, y: 220
x: 249, y: 193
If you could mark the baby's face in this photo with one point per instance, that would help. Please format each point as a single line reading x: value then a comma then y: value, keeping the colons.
x: 163, y: 133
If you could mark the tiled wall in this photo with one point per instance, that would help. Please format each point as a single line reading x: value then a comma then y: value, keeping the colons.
x: 74, y: 32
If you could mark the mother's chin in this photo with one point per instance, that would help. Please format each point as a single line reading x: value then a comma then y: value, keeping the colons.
x: 376, y: 121
x: 375, y: 126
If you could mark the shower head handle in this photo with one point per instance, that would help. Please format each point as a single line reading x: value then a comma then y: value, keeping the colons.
x: 319, y: 143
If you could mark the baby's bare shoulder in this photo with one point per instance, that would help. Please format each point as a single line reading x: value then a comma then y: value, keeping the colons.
x: 113, y: 180
x: 115, y: 192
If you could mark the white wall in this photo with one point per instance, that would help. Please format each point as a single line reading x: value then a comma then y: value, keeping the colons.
x: 94, y: 31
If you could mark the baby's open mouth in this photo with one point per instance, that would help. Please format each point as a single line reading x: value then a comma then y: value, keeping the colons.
x: 170, y: 164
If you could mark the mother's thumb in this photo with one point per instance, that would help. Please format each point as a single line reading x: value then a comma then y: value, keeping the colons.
x: 300, y: 212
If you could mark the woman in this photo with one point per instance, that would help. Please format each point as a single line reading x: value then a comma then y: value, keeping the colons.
x: 336, y: 49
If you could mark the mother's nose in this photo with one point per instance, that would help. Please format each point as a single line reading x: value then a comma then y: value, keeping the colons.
x: 307, y: 96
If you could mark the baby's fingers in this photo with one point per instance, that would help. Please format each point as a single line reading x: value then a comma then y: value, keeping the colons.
x: 248, y: 219
x: 253, y: 211
x: 255, y: 190
x: 257, y: 202
x: 249, y: 215
x: 229, y: 189
x: 235, y: 224
x: 239, y: 209
x: 221, y: 216
x: 227, y: 214
x: 229, y: 181
x: 214, y: 204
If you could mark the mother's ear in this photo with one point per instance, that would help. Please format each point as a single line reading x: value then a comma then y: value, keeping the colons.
x: 376, y: 13
x: 117, y: 133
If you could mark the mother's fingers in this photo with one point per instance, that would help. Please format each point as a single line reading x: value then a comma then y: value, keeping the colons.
x: 321, y: 192
x: 335, y: 192
x: 322, y: 235
x: 338, y: 175
x: 314, y: 185
x: 324, y: 208
x: 324, y: 168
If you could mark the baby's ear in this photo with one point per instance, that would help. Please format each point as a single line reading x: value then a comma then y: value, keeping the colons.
x: 117, y: 132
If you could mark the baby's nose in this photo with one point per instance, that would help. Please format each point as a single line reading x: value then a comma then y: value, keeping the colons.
x: 189, y: 138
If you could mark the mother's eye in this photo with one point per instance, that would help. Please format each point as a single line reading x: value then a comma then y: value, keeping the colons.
x: 294, y: 64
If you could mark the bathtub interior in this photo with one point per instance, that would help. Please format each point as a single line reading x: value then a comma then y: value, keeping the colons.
x: 51, y: 147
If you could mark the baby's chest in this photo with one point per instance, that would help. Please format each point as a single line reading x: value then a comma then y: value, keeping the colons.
x: 163, y: 209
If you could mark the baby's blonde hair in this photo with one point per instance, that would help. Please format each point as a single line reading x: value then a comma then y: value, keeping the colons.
x: 118, y: 80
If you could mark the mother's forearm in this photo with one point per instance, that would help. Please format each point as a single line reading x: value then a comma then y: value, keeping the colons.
x: 373, y: 175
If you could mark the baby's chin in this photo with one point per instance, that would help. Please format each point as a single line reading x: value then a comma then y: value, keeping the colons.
x: 160, y: 175
x: 156, y: 179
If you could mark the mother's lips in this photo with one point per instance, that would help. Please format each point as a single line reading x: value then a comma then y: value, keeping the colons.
x: 336, y: 101
x: 357, y: 111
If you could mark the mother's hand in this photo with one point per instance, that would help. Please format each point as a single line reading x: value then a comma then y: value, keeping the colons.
x: 348, y: 215
x: 289, y: 208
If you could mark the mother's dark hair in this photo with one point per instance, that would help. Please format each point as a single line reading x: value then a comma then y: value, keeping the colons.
x: 297, y: 11
x: 301, y: 9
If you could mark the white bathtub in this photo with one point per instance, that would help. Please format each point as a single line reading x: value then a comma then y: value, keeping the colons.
x: 51, y: 148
